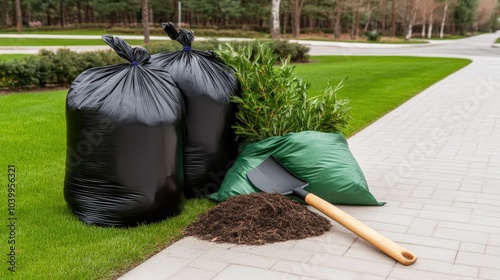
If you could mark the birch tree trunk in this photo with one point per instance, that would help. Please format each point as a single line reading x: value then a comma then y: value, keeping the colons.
x: 441, y: 31
x: 275, y: 19
x: 429, y: 29
x: 423, y: 25
x: 145, y: 21
x: 410, y: 18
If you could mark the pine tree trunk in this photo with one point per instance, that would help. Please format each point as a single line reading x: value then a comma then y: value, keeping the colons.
x: 145, y: 21
x: 356, y: 31
x: 3, y: 12
x: 296, y: 19
x: 338, y: 14
x: 61, y: 13
x: 79, y: 12
x: 393, y: 19
x: 383, y: 17
x: 355, y: 21
x: 365, y: 29
x: 19, y: 18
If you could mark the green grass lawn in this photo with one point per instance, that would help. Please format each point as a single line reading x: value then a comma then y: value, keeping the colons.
x: 64, y: 31
x: 497, y: 41
x: 51, y: 243
x: 60, y: 42
x: 375, y: 85
x: 13, y: 56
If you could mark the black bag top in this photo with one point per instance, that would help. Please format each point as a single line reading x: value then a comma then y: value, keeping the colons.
x: 135, y: 92
x: 182, y: 36
x: 197, y: 73
x: 124, y: 50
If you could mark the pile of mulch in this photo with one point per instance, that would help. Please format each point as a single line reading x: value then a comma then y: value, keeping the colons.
x: 257, y: 219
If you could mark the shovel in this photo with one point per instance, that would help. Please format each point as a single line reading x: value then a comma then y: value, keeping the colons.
x: 271, y: 176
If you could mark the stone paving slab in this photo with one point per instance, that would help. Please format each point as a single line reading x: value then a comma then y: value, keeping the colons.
x: 435, y: 160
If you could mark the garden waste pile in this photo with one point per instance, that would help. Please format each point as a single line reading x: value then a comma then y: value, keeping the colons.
x: 258, y: 219
x: 144, y: 135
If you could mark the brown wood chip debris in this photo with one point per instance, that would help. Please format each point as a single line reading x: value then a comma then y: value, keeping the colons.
x: 257, y: 219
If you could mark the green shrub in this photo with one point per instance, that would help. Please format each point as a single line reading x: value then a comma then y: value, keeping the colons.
x: 285, y: 49
x: 107, y: 58
x: 17, y: 74
x: 63, y: 66
x: 57, y: 68
x: 159, y: 47
x: 373, y: 35
x: 282, y: 48
x: 44, y: 74
x: 273, y: 101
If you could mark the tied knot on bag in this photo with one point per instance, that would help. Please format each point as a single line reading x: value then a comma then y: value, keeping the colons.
x: 134, y: 55
x: 185, y: 37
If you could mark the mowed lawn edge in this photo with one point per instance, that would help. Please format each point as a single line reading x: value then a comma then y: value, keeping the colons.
x: 51, y: 243
x: 376, y: 85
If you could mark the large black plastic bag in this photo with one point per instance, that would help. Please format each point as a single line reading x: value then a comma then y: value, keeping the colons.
x: 124, y: 142
x: 206, y: 84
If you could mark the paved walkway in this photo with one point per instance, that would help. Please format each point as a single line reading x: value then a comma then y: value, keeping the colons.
x: 435, y: 160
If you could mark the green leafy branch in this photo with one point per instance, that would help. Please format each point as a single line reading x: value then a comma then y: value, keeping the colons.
x: 274, y: 102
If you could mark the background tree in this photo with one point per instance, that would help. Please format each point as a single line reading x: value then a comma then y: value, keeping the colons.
x: 19, y: 18
x: 298, y: 6
x: 275, y: 19
x: 443, y: 19
x: 337, y: 28
x: 230, y: 11
x: 486, y: 15
x: 3, y: 12
x: 464, y: 15
x: 392, y: 17
x: 410, y: 14
x: 355, y: 4
x: 383, y: 17
x: 145, y: 21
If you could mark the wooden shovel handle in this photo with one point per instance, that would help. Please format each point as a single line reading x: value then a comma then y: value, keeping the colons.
x: 383, y: 243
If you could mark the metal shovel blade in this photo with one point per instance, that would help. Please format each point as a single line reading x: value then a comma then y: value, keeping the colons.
x: 272, y: 176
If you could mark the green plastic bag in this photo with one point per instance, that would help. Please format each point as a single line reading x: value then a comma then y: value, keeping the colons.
x: 322, y: 159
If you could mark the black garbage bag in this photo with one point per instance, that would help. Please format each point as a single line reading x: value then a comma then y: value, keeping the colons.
x: 124, y: 142
x: 206, y: 84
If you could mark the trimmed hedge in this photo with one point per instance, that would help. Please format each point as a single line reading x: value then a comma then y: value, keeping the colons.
x: 282, y: 48
x: 58, y: 68
x: 61, y: 67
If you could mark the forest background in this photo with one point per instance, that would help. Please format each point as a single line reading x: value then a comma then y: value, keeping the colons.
x: 333, y: 19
